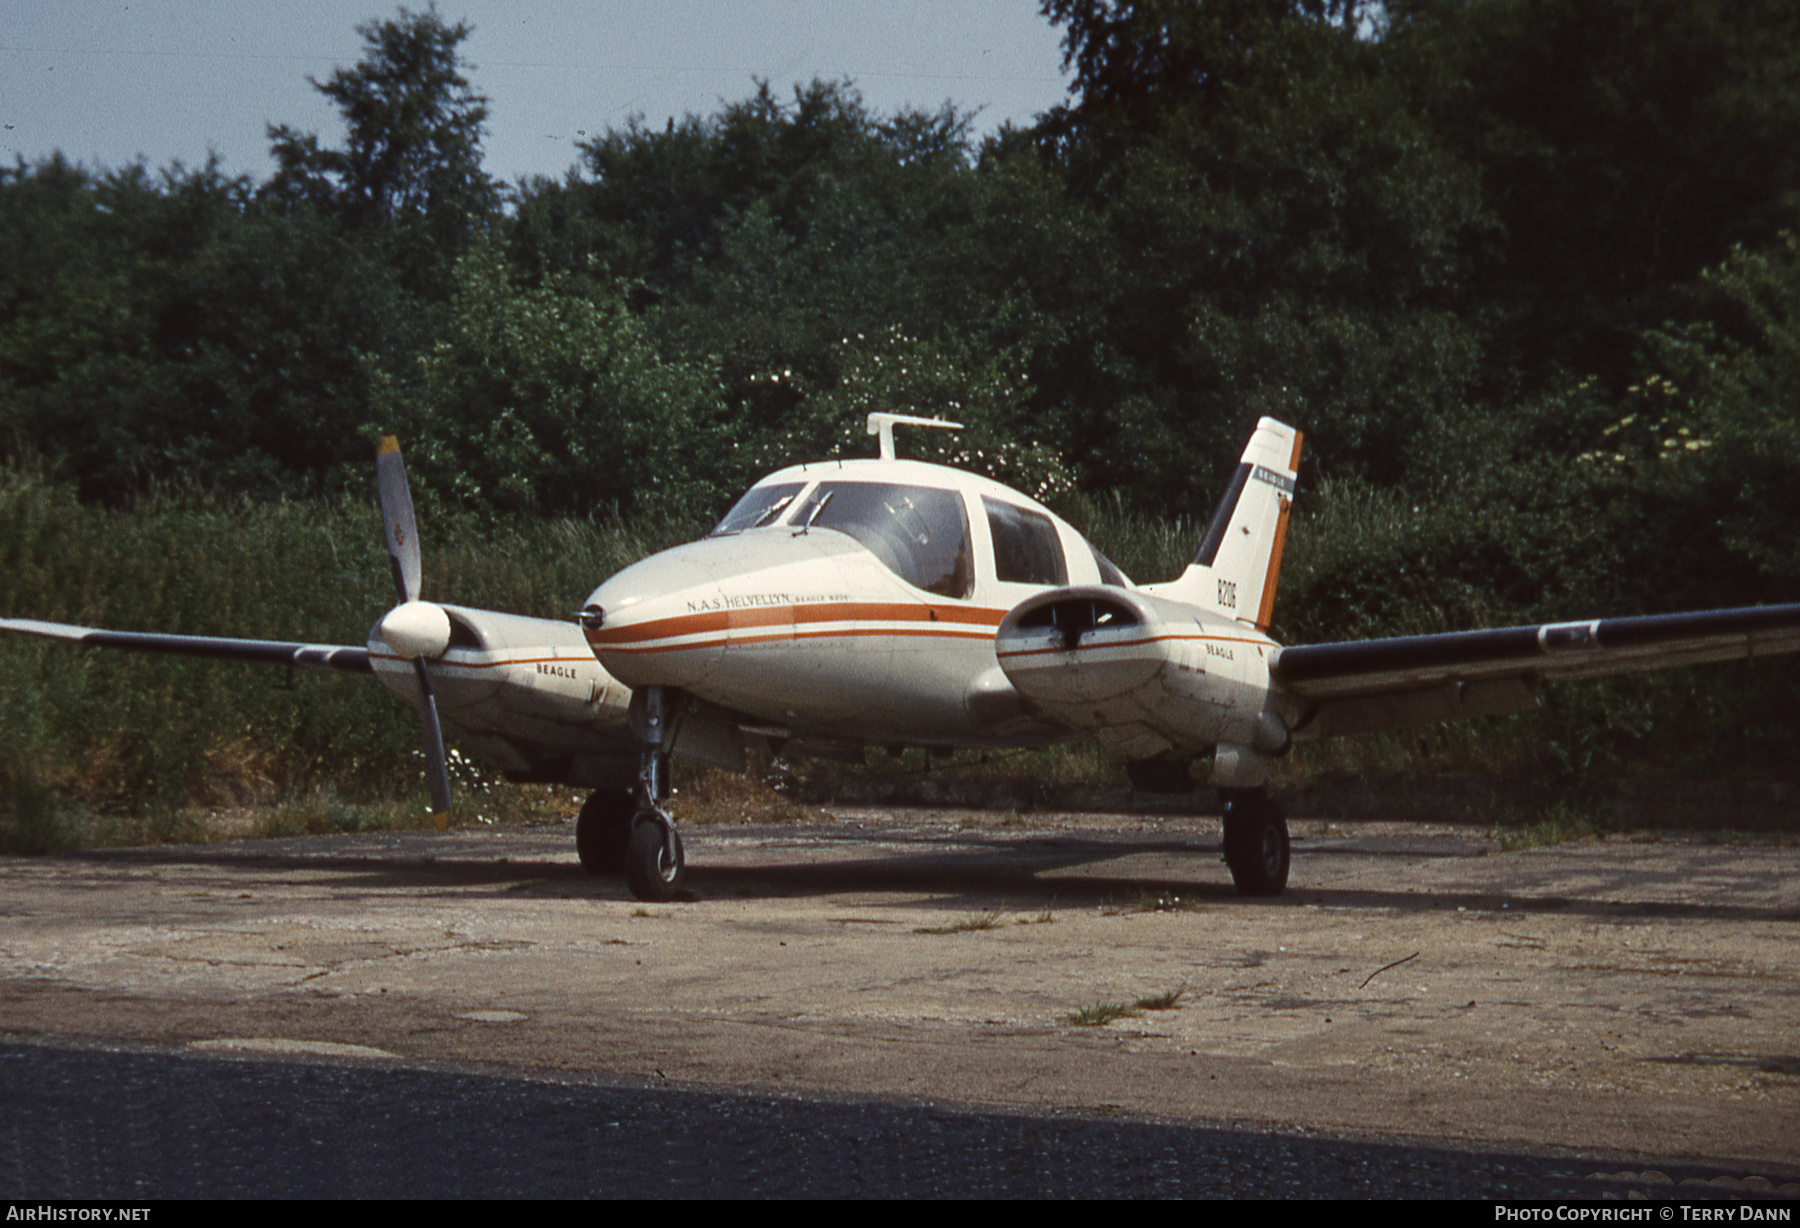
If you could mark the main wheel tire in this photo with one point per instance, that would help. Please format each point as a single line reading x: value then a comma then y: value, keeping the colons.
x: 1256, y: 845
x: 603, y: 830
x: 649, y: 871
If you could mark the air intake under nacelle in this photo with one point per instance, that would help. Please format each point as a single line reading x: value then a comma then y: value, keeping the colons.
x: 1074, y: 615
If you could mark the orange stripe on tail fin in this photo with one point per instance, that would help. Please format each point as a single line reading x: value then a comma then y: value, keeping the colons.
x: 1268, y: 592
x: 1233, y: 572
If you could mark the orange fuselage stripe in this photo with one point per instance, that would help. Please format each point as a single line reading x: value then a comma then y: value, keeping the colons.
x: 774, y: 616
x: 738, y: 641
x: 1148, y: 639
x: 494, y: 664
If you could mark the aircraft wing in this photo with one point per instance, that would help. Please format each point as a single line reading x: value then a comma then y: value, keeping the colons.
x: 338, y: 658
x: 1367, y: 685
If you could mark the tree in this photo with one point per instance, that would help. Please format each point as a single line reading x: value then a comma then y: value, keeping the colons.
x: 414, y: 129
x: 1624, y: 145
x: 167, y: 328
x: 551, y: 399
x: 776, y: 237
x: 1285, y: 234
x: 1135, y: 59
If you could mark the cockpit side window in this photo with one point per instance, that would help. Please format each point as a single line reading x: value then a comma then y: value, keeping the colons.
x: 1027, y: 548
x: 761, y: 506
x: 919, y: 533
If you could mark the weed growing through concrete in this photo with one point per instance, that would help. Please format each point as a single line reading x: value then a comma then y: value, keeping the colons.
x: 1151, y: 901
x: 1100, y: 1014
x: 974, y: 921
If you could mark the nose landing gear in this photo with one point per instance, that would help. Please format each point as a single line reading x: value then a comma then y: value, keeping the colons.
x: 655, y: 868
x: 615, y: 834
x: 628, y: 830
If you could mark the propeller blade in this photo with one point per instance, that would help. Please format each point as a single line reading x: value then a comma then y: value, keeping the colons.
x: 397, y: 518
x: 436, y: 774
x: 409, y: 624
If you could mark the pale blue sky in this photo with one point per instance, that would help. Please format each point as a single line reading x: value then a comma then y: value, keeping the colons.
x: 106, y: 81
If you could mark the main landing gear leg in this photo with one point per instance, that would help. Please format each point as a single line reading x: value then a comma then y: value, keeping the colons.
x: 654, y: 867
x: 1256, y: 842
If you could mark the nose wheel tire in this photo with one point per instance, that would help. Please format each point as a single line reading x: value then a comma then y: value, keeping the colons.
x: 1256, y: 845
x: 655, y: 869
x: 603, y: 830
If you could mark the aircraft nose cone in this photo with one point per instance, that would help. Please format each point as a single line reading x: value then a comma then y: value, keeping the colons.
x: 667, y: 621
x: 659, y: 622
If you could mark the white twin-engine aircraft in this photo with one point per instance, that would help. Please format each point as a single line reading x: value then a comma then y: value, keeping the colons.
x: 897, y: 603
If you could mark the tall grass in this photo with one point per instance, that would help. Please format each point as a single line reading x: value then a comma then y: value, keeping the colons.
x: 105, y: 735
x: 1149, y: 549
x: 92, y: 739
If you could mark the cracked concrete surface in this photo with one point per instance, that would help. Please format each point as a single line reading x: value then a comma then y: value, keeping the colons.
x: 1635, y: 997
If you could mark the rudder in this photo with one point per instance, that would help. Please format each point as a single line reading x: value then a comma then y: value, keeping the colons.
x: 1235, y: 569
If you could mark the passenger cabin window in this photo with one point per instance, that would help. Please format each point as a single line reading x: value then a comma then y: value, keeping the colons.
x: 762, y: 505
x: 919, y: 533
x: 1027, y: 548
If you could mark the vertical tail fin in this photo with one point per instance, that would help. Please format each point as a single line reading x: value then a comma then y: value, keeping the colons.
x: 1234, y: 571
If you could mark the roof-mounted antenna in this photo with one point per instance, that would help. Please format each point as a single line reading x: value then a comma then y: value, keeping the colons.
x: 883, y: 425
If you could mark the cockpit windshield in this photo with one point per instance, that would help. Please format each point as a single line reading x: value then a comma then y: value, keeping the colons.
x: 919, y: 533
x: 762, y: 505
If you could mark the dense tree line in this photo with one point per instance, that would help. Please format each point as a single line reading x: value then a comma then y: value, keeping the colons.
x: 1524, y: 270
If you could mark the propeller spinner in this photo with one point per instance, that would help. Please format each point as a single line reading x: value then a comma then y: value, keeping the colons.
x: 414, y: 629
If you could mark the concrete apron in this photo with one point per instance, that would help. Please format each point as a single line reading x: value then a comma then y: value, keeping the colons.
x: 1632, y: 997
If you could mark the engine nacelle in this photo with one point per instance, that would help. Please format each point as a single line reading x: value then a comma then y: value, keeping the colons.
x: 1146, y: 675
x: 526, y: 693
